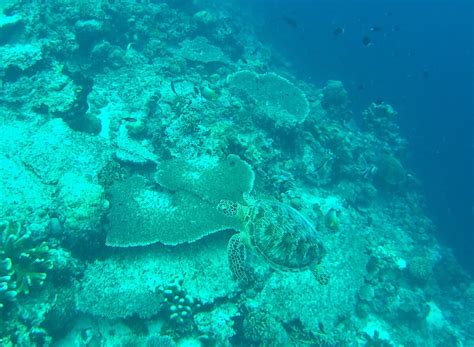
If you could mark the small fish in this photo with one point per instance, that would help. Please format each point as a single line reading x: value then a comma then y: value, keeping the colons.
x: 360, y: 87
x: 172, y: 87
x: 196, y: 90
x: 129, y: 119
x: 332, y: 219
x: 338, y: 31
x: 366, y: 41
x: 290, y: 21
x: 375, y: 29
x: 378, y: 102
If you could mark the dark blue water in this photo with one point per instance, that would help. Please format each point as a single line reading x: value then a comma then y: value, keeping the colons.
x: 420, y: 61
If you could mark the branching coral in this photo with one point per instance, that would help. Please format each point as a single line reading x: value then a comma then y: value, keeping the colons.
x: 24, y: 263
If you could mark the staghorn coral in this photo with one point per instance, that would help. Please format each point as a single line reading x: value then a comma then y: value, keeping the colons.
x: 284, y: 104
x: 24, y: 263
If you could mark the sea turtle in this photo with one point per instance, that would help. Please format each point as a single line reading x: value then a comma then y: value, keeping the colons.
x: 285, y: 238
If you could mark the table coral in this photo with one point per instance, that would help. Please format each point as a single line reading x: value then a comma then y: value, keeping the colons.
x: 277, y: 98
x: 184, y: 210
x: 159, y: 216
x: 200, y: 50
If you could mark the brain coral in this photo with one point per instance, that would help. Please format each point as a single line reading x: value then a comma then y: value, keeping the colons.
x: 276, y: 97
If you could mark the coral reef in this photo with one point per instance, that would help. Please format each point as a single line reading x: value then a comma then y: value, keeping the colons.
x: 217, y: 326
x: 129, y: 284
x: 335, y: 100
x: 278, y: 99
x: 25, y: 265
x: 83, y: 204
x: 260, y: 327
x: 125, y: 123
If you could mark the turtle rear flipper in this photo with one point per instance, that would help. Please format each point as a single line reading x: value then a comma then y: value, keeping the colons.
x: 236, y: 254
x: 321, y: 274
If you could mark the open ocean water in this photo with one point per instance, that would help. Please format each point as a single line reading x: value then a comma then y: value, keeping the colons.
x: 236, y: 173
x: 419, y: 58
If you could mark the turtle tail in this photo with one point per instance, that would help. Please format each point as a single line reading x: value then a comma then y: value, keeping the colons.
x: 236, y: 253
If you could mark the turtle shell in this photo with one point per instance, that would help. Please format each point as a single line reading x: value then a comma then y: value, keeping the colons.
x: 283, y: 236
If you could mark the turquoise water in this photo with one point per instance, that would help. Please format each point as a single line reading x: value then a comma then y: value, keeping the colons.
x: 191, y: 173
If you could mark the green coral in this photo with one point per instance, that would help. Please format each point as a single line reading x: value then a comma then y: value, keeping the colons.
x: 24, y: 263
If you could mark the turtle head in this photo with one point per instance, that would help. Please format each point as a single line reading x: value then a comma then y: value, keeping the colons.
x: 228, y: 208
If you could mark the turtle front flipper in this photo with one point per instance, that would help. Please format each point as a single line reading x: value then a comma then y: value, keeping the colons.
x: 236, y: 253
x: 321, y: 274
